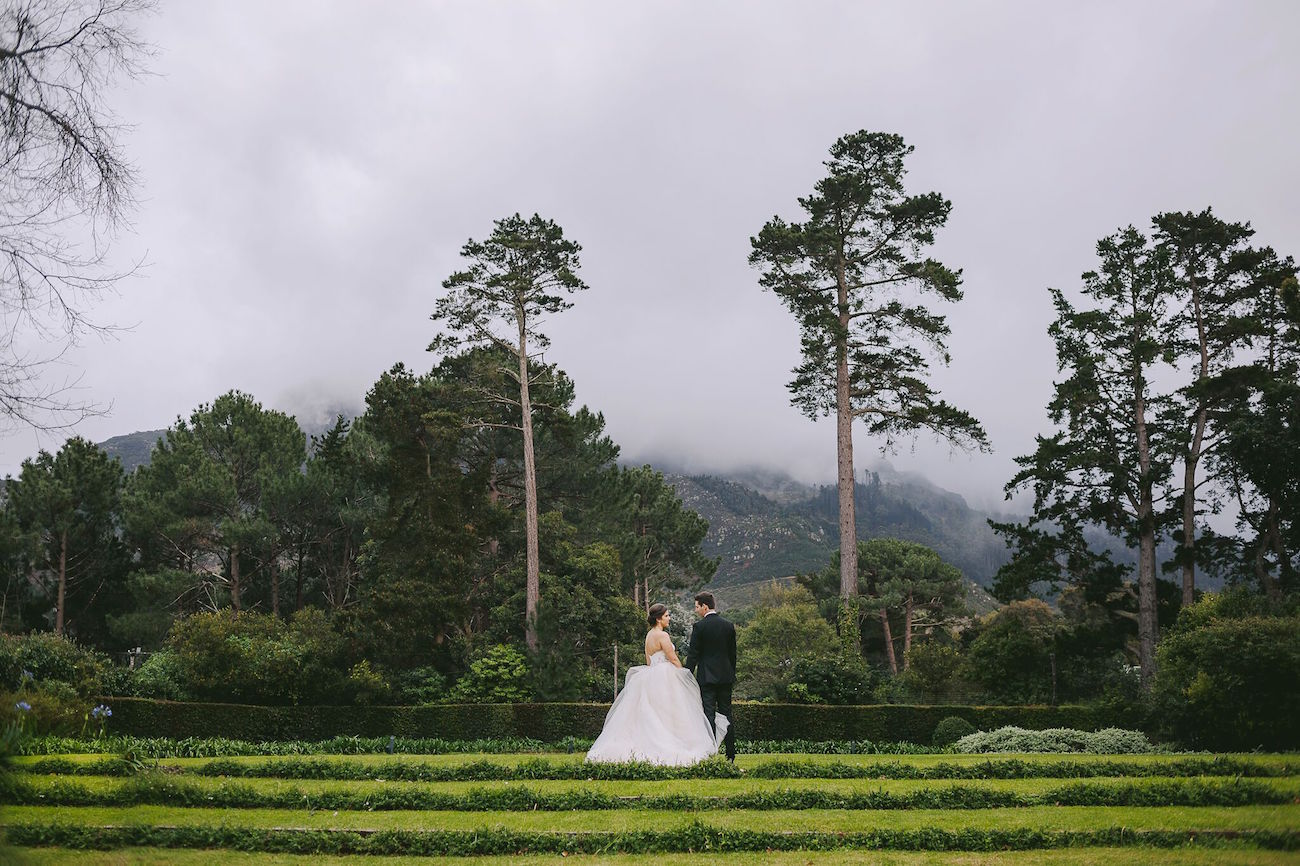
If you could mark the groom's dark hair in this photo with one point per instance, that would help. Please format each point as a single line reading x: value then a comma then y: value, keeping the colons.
x: 706, y: 599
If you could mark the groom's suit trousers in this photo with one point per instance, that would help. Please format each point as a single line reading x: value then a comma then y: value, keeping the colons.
x: 716, y: 698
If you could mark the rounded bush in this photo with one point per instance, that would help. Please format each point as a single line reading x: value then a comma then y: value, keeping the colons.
x: 1109, y: 741
x: 43, y: 657
x: 950, y: 730
x: 1230, y: 684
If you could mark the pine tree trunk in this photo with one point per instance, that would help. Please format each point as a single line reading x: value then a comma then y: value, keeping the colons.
x: 1189, y: 518
x: 63, y: 582
x: 297, y: 601
x: 532, y: 590
x: 1193, y: 459
x: 907, y: 632
x: 494, y: 495
x: 889, y: 641
x: 1274, y: 542
x: 844, y: 450
x: 275, y: 585
x: 234, y: 579
x: 1148, y: 627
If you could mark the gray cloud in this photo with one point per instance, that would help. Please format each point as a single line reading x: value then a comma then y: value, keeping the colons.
x: 311, y: 170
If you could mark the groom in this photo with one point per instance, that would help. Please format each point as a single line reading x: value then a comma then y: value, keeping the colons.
x: 711, y: 656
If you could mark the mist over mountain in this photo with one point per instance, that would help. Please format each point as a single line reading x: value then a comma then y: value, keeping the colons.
x: 765, y: 524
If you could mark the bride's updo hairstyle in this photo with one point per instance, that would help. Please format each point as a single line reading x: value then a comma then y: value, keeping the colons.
x: 656, y: 613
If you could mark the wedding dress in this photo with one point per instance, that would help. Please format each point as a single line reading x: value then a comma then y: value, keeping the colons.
x: 658, y: 719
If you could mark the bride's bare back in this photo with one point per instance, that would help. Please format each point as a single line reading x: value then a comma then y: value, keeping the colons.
x: 657, y: 640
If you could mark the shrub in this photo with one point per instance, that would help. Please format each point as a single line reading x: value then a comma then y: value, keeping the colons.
x: 424, y: 685
x: 950, y: 730
x: 498, y: 676
x: 931, y: 667
x: 1110, y: 741
x: 54, y: 709
x: 161, y: 676
x: 259, y: 658
x: 1009, y: 658
x: 42, y: 657
x: 829, y: 680
x: 1230, y: 683
x: 786, y: 633
x: 366, y: 685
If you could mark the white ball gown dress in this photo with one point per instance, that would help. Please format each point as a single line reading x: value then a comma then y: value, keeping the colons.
x: 658, y: 719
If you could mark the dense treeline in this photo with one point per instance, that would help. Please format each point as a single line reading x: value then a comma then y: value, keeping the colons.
x: 386, y: 552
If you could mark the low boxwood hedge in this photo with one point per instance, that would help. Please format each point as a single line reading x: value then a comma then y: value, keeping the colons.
x: 143, y: 717
x: 691, y: 838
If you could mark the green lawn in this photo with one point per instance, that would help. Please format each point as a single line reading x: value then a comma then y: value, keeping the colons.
x: 693, y: 787
x: 826, y: 820
x: 635, y: 817
x: 1067, y: 857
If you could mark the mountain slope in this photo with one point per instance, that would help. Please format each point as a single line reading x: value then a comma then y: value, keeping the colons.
x: 757, y: 537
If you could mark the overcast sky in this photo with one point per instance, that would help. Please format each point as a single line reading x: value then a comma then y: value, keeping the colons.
x: 310, y: 170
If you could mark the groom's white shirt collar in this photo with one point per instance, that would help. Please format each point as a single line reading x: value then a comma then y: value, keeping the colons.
x: 711, y: 613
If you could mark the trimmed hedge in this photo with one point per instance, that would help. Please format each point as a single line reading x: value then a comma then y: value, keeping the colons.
x: 551, y: 722
x: 695, y: 837
x: 716, y: 768
x: 159, y: 791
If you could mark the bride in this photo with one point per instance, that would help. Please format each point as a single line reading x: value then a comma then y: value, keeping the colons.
x: 658, y: 717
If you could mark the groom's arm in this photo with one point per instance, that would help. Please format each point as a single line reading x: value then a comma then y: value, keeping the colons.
x: 731, y: 647
x: 692, y: 648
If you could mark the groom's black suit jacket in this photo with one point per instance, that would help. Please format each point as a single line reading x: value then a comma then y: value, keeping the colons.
x: 711, y: 655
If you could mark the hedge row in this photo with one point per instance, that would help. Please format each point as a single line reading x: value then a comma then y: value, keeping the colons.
x: 156, y: 791
x: 142, y: 717
x: 695, y: 837
x: 542, y: 770
x: 220, y: 747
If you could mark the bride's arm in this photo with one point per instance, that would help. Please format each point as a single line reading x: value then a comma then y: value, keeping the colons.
x: 666, y: 644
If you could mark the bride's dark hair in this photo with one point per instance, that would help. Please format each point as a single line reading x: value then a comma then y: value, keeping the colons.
x: 656, y: 613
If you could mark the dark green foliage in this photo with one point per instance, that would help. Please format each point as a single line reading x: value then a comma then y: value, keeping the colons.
x: 199, y: 513
x: 694, y: 837
x: 552, y: 722
x: 831, y: 679
x: 838, y: 273
x: 499, y: 676
x: 1230, y: 681
x: 260, y: 658
x: 65, y: 507
x: 950, y: 730
x: 1009, y: 656
x: 785, y: 632
x: 47, y: 658
x: 158, y: 789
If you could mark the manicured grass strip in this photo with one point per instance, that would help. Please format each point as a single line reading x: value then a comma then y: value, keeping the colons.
x: 1287, y: 786
x: 1187, y: 856
x: 694, y: 837
x: 160, y: 791
x: 1055, y: 818
x: 538, y: 769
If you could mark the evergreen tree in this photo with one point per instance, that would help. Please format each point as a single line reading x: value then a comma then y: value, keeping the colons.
x: 867, y: 345
x: 67, y: 504
x: 199, y: 507
x: 1262, y: 438
x: 422, y: 584
x: 1215, y: 277
x: 1111, y: 463
x: 521, y: 273
x: 659, y: 538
